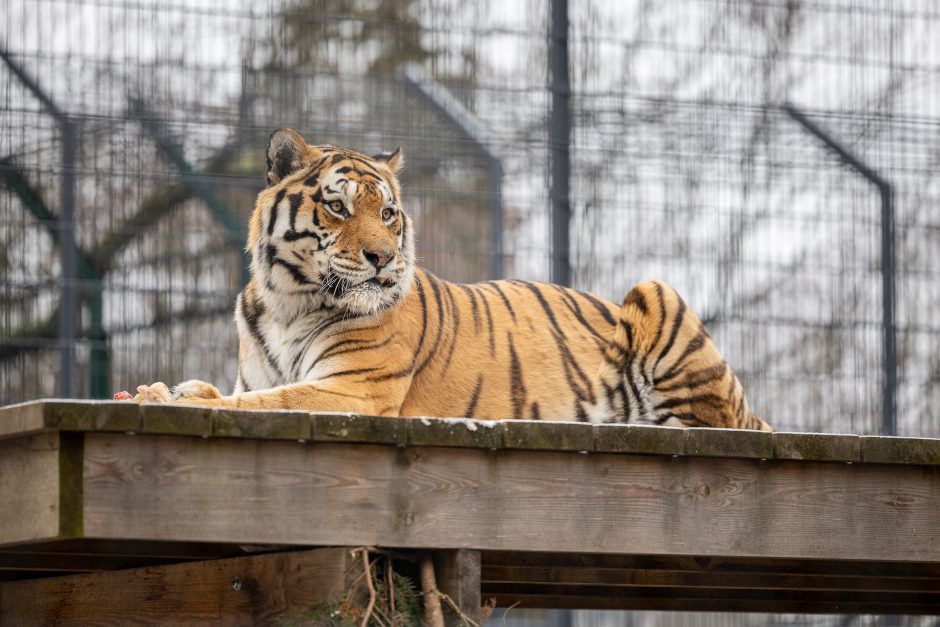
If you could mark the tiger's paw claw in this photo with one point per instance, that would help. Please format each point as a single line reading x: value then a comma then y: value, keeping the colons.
x: 193, y: 389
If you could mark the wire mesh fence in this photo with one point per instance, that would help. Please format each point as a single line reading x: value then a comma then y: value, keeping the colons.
x: 685, y: 166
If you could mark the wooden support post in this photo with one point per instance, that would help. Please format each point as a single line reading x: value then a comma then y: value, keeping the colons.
x: 458, y: 576
x: 243, y: 590
x: 30, y: 487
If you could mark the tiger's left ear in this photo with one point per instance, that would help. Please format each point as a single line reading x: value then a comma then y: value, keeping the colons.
x: 394, y: 159
x: 287, y: 152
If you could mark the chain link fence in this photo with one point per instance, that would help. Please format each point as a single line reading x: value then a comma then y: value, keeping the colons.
x: 132, y: 134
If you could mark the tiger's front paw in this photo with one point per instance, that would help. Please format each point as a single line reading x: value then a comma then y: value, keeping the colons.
x: 155, y: 393
x: 195, y: 389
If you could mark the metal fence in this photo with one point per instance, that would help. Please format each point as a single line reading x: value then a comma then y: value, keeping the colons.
x: 131, y: 135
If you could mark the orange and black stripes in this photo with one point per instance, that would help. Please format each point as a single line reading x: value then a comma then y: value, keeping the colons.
x: 517, y: 393
x: 463, y: 320
x: 526, y: 350
x: 324, y: 326
x: 661, y: 346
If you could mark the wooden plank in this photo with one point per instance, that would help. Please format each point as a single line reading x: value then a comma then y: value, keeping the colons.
x: 69, y: 415
x: 178, y: 551
x: 191, y: 489
x: 458, y: 576
x: 716, y: 604
x: 599, y: 597
x: 21, y: 419
x: 89, y: 555
x: 715, y: 565
x: 877, y: 449
x: 34, y: 562
x: 719, y: 581
x: 29, y: 488
x: 274, y: 424
x: 820, y: 447
x: 708, y: 442
x: 247, y: 590
x: 107, y: 416
x: 885, y: 599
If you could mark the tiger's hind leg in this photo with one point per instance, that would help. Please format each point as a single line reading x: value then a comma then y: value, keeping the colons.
x: 662, y: 367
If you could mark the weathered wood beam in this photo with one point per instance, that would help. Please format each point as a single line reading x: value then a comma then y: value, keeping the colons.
x: 134, y: 549
x: 713, y: 603
x: 197, y: 489
x: 50, y: 562
x: 718, y: 573
x: 252, y: 590
x: 38, y: 497
x: 101, y: 416
x: 499, y: 575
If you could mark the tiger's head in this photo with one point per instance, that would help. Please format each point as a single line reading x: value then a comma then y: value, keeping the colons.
x: 329, y: 230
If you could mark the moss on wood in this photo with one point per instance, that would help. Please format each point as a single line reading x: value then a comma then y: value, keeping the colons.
x: 455, y: 432
x: 728, y: 443
x: 175, y: 419
x: 558, y: 436
x: 71, y: 485
x: 82, y: 416
x: 892, y: 450
x: 268, y: 425
x: 816, y: 447
x: 21, y: 419
x: 355, y: 428
x: 616, y: 438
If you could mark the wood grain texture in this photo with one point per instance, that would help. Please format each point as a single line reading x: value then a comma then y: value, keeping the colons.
x: 76, y: 555
x: 29, y: 488
x: 189, y: 489
x: 68, y: 415
x: 21, y: 419
x: 240, y: 591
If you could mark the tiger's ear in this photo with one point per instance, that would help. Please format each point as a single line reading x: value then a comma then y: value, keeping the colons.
x: 287, y: 153
x: 394, y: 159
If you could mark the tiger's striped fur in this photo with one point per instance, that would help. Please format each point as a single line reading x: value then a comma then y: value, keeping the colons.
x: 336, y: 317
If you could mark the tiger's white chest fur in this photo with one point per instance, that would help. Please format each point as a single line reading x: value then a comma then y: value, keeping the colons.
x: 279, y: 351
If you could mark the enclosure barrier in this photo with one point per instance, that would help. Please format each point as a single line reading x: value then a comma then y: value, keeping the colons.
x: 158, y: 511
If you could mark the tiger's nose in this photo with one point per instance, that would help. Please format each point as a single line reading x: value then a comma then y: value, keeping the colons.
x: 378, y: 258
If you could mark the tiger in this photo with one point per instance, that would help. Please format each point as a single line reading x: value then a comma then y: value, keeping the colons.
x: 337, y: 317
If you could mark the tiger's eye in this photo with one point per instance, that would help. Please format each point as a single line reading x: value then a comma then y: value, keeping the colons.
x: 337, y: 207
x: 387, y: 213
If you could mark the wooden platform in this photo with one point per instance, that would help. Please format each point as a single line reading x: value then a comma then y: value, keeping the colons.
x: 557, y: 514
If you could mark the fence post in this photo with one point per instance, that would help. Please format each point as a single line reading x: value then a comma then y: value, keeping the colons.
x: 559, y: 143
x: 888, y: 289
x: 68, y: 307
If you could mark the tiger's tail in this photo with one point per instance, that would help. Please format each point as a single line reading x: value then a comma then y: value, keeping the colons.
x: 662, y: 367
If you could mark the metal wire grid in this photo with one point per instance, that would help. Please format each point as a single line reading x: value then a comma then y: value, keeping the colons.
x: 684, y: 167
